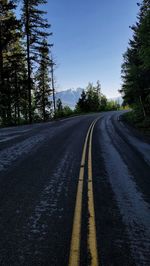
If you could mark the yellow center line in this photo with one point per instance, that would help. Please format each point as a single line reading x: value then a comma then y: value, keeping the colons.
x: 92, y: 242
x: 74, y: 259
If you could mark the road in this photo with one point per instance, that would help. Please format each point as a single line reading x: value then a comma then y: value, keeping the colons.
x: 75, y: 192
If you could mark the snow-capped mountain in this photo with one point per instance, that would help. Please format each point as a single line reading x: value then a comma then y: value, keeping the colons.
x: 69, y: 97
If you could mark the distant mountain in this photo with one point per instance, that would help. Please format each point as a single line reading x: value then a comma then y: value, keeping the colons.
x: 71, y: 96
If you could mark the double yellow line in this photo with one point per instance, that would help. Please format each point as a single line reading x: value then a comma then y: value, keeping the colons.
x: 74, y: 259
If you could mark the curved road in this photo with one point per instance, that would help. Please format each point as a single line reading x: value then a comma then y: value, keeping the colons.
x: 67, y: 201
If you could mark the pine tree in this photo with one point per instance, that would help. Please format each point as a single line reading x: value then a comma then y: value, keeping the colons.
x: 9, y: 32
x: 43, y: 90
x: 35, y: 29
x: 59, y: 108
x: 18, y: 75
x: 136, y: 66
x: 93, y: 97
x: 81, y: 105
x: 90, y: 100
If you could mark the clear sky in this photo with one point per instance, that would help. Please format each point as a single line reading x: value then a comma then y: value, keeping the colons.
x: 89, y: 39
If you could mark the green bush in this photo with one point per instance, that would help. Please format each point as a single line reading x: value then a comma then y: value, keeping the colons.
x: 136, y: 119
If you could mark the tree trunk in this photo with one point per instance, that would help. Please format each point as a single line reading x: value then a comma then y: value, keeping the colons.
x: 17, y: 98
x: 53, y: 86
x: 15, y: 114
x: 143, y: 109
x: 43, y: 99
x: 2, y: 111
x: 9, y: 109
x: 28, y: 61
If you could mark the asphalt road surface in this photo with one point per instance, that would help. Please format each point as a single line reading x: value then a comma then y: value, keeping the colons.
x: 75, y: 192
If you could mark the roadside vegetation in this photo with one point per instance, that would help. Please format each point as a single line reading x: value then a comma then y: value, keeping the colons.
x: 92, y: 100
x: 136, y: 71
x: 134, y: 118
x: 25, y: 62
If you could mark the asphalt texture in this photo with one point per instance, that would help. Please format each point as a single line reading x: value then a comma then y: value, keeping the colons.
x: 39, y: 172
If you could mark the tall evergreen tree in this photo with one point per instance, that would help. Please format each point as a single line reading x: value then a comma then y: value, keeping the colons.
x: 82, y: 103
x: 59, y: 108
x: 35, y: 29
x: 43, y: 90
x: 136, y: 66
x: 9, y: 33
x: 90, y: 100
x: 18, y: 75
x: 93, y: 97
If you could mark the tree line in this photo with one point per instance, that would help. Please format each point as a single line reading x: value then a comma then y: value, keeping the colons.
x: 25, y: 62
x: 136, y: 65
x: 91, y: 100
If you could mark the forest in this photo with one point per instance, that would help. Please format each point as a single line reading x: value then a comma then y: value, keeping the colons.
x: 136, y: 68
x: 26, y: 64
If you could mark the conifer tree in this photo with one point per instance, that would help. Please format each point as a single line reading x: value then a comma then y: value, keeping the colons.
x: 9, y: 32
x: 93, y: 97
x: 43, y: 90
x: 90, y: 100
x: 82, y: 103
x: 59, y: 108
x: 35, y: 29
x: 18, y: 75
x: 136, y: 66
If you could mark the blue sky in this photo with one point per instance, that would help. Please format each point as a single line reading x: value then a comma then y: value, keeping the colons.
x: 89, y: 39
